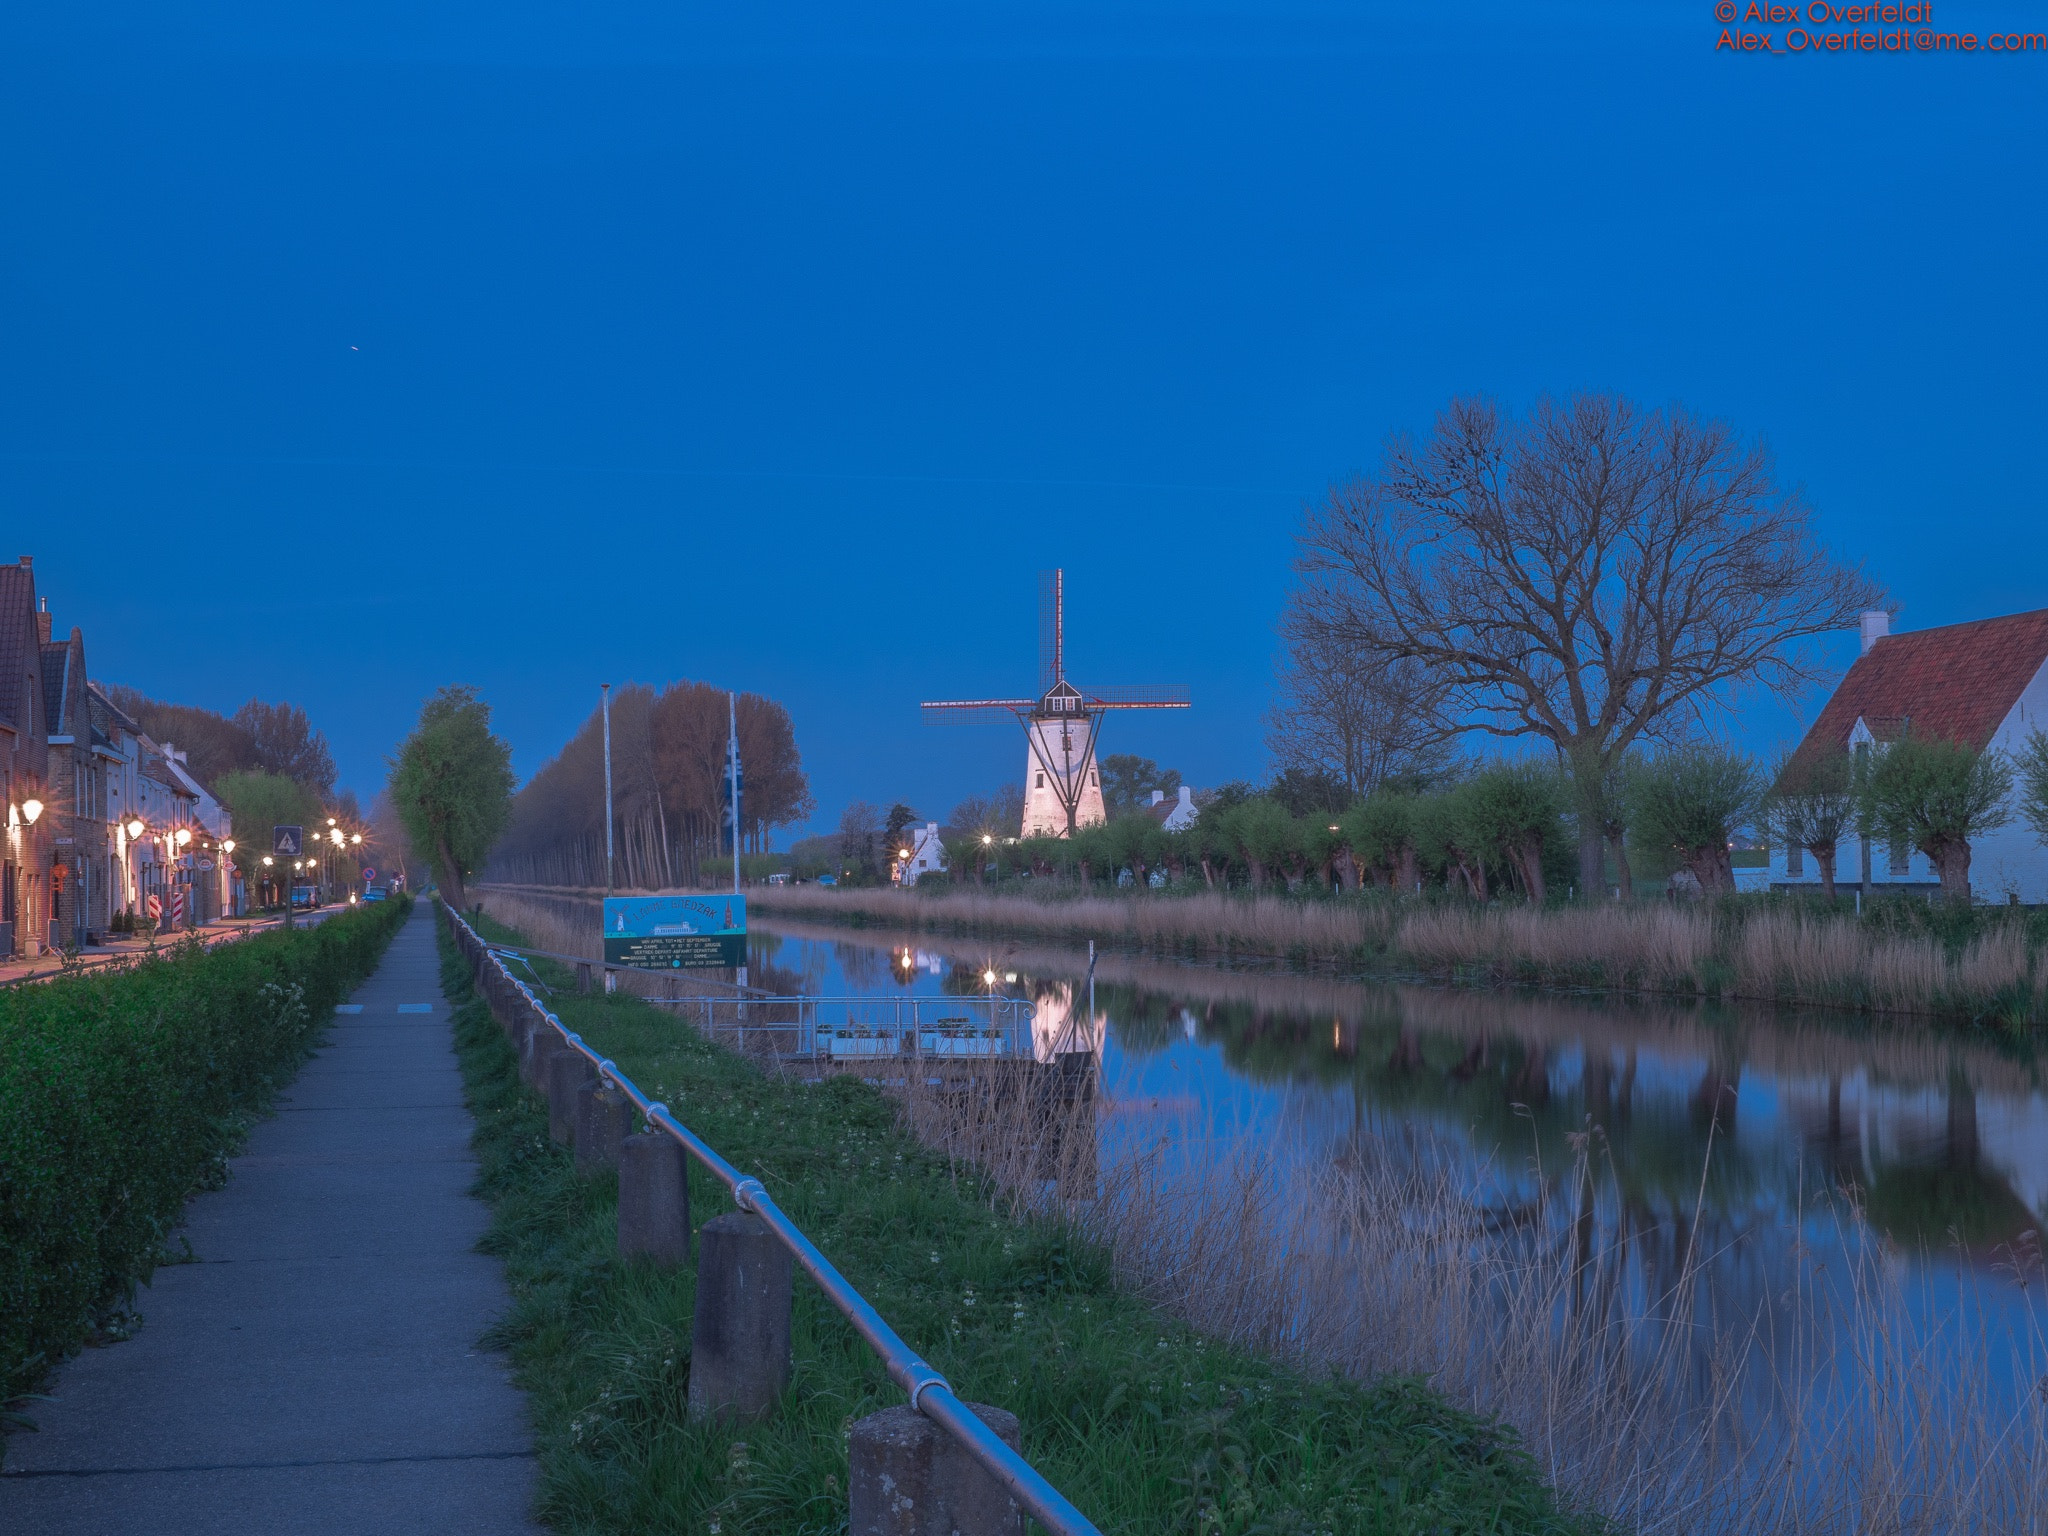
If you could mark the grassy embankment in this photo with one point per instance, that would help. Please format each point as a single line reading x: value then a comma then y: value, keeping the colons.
x: 1146, y: 1425
x: 1902, y: 955
x: 124, y: 1092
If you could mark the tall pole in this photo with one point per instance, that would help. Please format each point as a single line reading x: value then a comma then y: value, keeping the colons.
x: 607, y: 690
x: 732, y: 768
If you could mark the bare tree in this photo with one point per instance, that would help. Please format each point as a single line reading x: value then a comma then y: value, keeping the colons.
x: 1355, y: 716
x: 1595, y: 575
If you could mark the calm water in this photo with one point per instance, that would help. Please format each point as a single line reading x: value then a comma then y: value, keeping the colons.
x: 1718, y: 1132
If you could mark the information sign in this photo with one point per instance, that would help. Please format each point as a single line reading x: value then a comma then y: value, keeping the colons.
x: 676, y: 933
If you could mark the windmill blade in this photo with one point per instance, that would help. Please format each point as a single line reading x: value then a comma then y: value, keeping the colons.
x: 1052, y: 625
x: 974, y: 711
x: 1136, y: 698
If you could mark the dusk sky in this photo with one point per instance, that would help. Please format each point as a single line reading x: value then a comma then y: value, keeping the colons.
x: 354, y: 350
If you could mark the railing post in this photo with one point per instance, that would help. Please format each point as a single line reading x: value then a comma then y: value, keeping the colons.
x: 908, y: 1477
x: 739, y: 1345
x: 654, y: 1199
x: 568, y: 1069
x: 604, y: 1117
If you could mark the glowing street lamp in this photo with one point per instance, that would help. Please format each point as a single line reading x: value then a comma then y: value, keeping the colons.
x: 227, y: 845
x: 30, y: 810
x: 182, y: 836
x: 135, y: 830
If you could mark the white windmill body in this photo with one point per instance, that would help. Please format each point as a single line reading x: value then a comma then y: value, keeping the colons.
x: 1059, y: 766
x: 1062, y: 782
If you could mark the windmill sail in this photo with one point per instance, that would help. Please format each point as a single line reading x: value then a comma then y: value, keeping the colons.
x: 1062, y: 781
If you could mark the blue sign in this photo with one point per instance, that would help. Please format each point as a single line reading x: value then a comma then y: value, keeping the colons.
x: 285, y: 842
x: 676, y: 933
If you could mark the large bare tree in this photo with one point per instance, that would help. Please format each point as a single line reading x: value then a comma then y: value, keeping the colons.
x: 1594, y: 575
x: 1357, y: 717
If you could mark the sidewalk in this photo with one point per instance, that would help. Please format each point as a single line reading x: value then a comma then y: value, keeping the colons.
x: 317, y: 1369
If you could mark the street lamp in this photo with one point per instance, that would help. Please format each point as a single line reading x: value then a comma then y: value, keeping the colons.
x: 182, y: 836
x: 30, y: 810
x: 135, y: 830
x: 227, y: 845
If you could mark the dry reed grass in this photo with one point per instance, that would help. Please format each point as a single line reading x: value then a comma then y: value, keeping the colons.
x: 1855, y: 1404
x: 1785, y: 957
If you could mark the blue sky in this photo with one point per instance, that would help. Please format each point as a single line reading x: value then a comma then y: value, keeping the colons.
x: 362, y: 349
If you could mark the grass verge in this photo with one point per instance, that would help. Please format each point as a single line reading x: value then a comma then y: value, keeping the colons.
x: 1146, y: 1425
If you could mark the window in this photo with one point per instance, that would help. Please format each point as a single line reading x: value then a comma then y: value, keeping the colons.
x: 1795, y: 861
x: 1041, y: 781
x: 1900, y: 863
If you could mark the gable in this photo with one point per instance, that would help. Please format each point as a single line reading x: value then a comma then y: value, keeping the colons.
x: 1956, y: 683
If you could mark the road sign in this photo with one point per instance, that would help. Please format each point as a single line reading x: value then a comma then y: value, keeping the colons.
x: 369, y: 874
x: 286, y: 842
x: 676, y: 933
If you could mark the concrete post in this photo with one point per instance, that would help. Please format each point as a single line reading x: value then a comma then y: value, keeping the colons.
x: 739, y: 1345
x: 604, y: 1118
x: 568, y: 1070
x: 907, y: 1477
x: 654, y: 1199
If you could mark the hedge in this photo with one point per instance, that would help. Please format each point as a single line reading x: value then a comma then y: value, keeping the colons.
x: 123, y: 1093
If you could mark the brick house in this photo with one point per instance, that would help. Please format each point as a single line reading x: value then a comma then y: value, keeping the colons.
x: 83, y: 880
x: 24, y: 768
x: 1984, y: 683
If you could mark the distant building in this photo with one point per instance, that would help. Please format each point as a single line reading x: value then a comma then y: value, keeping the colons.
x: 1984, y: 683
x: 1174, y: 815
x: 927, y: 855
x: 85, y: 884
x: 26, y: 856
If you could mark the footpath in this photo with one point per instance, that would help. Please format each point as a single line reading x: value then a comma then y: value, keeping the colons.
x: 316, y: 1369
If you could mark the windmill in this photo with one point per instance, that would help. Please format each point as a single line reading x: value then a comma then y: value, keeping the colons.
x: 1062, y: 785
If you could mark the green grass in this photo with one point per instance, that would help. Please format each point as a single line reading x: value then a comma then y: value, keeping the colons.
x: 1145, y: 1425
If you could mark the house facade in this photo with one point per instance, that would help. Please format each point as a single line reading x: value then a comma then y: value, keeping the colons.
x: 83, y: 880
x: 927, y: 855
x: 1985, y: 684
x: 28, y: 851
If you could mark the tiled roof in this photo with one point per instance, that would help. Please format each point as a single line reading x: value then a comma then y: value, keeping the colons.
x: 18, y: 640
x: 1956, y: 683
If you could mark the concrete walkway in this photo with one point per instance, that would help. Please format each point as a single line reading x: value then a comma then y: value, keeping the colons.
x: 317, y: 1370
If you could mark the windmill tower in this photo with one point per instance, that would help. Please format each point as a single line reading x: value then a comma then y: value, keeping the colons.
x: 1062, y: 785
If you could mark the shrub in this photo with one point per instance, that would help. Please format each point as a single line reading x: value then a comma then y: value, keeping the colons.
x: 121, y: 1093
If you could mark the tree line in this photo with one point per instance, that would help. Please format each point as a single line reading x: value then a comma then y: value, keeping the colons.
x: 668, y: 790
x: 1511, y: 828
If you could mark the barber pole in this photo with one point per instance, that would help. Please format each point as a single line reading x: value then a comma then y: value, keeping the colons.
x: 178, y: 907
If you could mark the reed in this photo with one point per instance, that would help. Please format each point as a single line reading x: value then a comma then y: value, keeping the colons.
x: 1649, y: 1391
x: 1765, y: 954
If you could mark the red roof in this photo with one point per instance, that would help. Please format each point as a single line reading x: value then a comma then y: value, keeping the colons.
x: 1956, y: 683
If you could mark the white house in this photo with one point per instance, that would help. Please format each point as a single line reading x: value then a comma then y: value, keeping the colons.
x: 927, y: 855
x: 1174, y: 815
x: 1985, y: 684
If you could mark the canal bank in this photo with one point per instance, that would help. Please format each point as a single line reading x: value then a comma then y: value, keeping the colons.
x: 1142, y: 1422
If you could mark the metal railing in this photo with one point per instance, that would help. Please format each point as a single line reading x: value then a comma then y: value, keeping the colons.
x: 852, y: 1030
x: 930, y: 1393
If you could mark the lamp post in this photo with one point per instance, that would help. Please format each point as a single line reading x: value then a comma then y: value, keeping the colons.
x: 605, y: 690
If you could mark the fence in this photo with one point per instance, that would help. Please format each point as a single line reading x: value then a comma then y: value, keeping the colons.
x: 515, y: 1004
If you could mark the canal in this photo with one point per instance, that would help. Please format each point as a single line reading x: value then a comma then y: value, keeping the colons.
x: 1808, y: 1247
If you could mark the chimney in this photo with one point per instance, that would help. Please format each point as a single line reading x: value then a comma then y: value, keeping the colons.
x: 1158, y: 795
x: 1876, y: 625
x: 1187, y: 796
x: 43, y: 622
